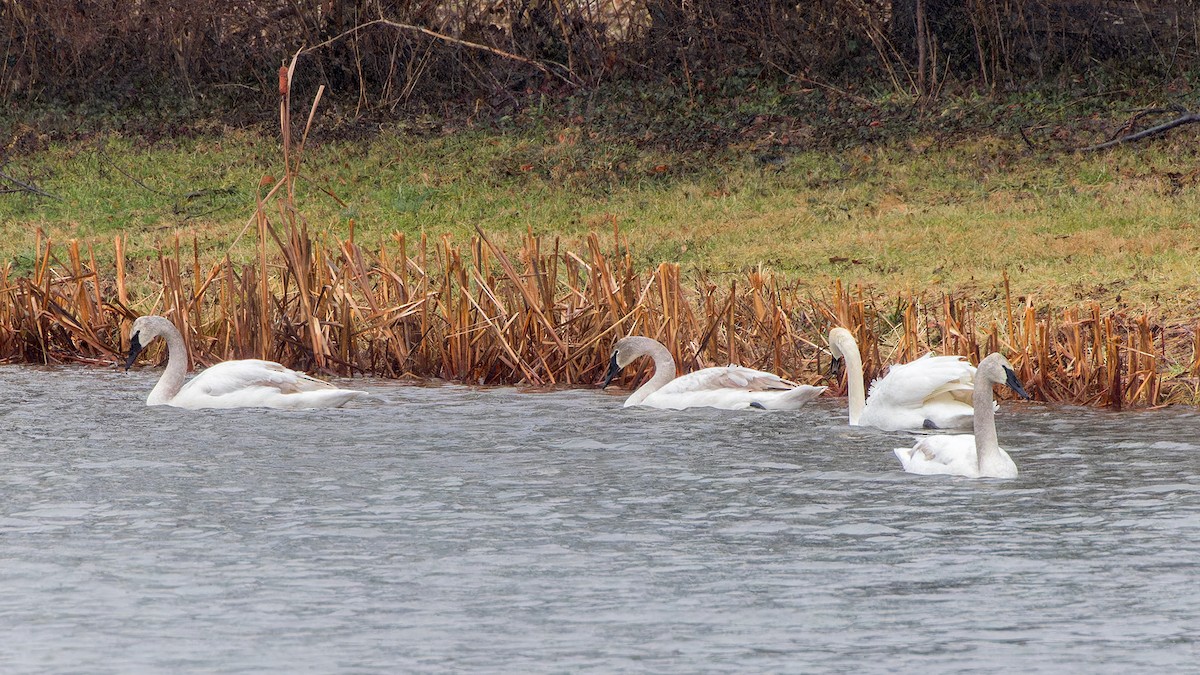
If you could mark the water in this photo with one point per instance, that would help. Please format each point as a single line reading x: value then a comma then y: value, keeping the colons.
x: 450, y: 529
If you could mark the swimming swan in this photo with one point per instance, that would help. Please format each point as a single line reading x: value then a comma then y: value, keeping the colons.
x: 247, y: 383
x: 933, y: 392
x: 729, y: 387
x: 978, y: 456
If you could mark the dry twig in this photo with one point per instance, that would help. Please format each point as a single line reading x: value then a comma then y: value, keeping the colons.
x: 22, y: 186
x: 558, y: 71
x: 1184, y: 118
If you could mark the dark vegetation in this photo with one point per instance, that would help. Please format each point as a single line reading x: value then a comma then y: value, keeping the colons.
x: 701, y: 72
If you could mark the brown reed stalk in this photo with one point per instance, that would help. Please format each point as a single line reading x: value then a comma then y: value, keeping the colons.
x: 1193, y: 367
x: 480, y: 319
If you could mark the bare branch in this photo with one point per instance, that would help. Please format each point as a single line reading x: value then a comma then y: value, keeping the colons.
x: 1152, y: 131
x: 570, y: 77
x: 26, y: 187
x: 1025, y: 137
x: 108, y: 160
x: 1131, y: 124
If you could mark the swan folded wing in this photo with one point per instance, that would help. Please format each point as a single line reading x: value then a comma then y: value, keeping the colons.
x: 955, y: 394
x: 946, y: 413
x: 927, y: 378
x: 232, y: 377
x: 941, y: 455
x: 727, y: 377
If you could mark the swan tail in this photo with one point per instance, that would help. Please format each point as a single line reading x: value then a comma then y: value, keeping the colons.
x: 791, y: 399
x: 319, y: 398
x: 306, y: 383
x: 919, y: 460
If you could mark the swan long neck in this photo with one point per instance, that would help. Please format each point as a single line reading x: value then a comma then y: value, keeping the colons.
x: 664, y: 371
x: 177, y: 360
x: 855, y: 389
x: 987, y: 447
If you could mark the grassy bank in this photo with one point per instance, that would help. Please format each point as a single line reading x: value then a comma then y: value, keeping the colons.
x: 905, y: 217
x: 366, y: 259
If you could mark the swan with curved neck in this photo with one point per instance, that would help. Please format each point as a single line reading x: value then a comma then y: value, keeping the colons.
x: 972, y: 456
x: 728, y: 387
x: 245, y: 383
x: 932, y: 392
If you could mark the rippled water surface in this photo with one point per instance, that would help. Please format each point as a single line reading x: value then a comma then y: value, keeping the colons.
x: 450, y: 529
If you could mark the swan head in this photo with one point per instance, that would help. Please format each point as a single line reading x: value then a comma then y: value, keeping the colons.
x: 622, y: 355
x: 841, y: 341
x: 996, y: 369
x: 613, y: 368
x: 625, y: 351
x: 143, y: 332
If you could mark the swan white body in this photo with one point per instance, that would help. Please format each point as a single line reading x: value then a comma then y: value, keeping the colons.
x: 931, y: 392
x: 246, y: 383
x: 728, y: 387
x: 971, y: 456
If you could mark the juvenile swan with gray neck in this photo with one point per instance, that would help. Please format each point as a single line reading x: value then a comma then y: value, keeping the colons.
x: 247, y: 383
x: 729, y: 387
x: 978, y: 456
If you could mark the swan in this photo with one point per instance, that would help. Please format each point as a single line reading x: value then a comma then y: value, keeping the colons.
x: 932, y: 392
x: 246, y: 383
x: 728, y: 387
x: 977, y: 456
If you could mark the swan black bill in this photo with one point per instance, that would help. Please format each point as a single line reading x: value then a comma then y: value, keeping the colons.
x: 135, y: 348
x: 836, y: 365
x: 1015, y: 384
x: 613, y: 369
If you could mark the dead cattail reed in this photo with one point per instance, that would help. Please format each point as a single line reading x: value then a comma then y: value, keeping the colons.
x: 542, y: 315
x: 539, y: 314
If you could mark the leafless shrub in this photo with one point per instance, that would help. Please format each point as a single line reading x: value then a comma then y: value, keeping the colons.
x: 124, y: 51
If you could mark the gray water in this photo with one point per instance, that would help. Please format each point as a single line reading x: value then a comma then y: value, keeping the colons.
x: 452, y: 529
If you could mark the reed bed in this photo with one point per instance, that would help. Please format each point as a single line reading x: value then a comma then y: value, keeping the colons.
x: 541, y: 315
x: 538, y: 314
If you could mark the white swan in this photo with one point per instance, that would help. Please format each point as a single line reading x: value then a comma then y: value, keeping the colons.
x: 933, y: 392
x: 247, y: 383
x: 729, y: 387
x: 978, y: 456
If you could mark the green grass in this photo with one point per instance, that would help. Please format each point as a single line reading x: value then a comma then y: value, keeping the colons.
x: 907, y: 213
